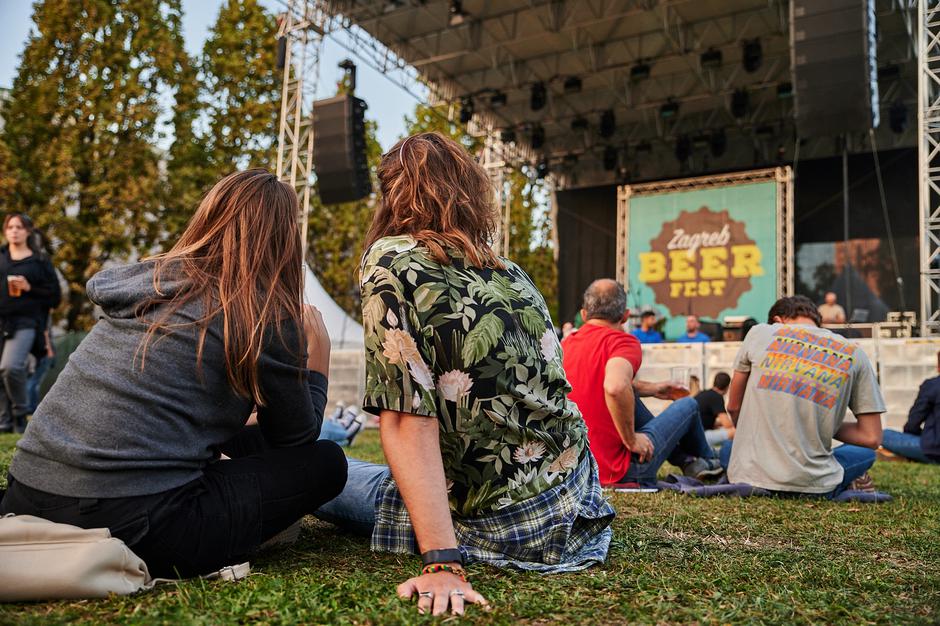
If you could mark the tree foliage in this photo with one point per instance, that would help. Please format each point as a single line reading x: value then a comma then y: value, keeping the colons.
x: 80, y: 126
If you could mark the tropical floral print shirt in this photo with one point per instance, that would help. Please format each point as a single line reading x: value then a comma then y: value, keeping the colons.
x: 476, y: 350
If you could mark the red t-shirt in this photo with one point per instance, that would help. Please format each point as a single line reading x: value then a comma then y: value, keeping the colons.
x: 585, y: 355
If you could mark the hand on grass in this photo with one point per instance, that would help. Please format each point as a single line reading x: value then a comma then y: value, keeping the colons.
x: 441, y: 586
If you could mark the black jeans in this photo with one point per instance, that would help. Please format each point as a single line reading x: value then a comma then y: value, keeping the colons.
x: 213, y: 521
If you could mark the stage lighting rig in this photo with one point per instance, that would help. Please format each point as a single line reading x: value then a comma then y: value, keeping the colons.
x: 739, y: 103
x: 718, y: 143
x: 710, y: 59
x: 608, y: 124
x: 610, y: 158
x: 784, y: 90
x: 669, y: 110
x: 683, y: 148
x: 466, y: 110
x: 539, y: 96
x: 897, y: 117
x: 752, y: 55
x: 572, y: 84
x: 457, y: 15
x: 640, y: 71
x: 537, y: 138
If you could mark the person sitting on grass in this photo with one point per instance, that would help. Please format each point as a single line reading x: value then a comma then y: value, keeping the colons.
x: 601, y: 361
x: 920, y: 439
x: 791, y: 386
x: 711, y: 408
x: 131, y: 434
x: 488, y: 460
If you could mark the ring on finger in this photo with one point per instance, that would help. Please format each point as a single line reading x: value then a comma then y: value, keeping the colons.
x: 456, y: 592
x: 426, y: 594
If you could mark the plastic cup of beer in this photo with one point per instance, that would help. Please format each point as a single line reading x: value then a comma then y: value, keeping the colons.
x: 13, y: 286
x: 679, y: 377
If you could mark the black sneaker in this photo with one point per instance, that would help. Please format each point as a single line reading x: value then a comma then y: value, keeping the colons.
x: 703, y: 468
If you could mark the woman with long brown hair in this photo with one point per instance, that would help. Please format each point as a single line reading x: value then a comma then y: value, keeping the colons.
x: 190, y: 342
x: 487, y: 459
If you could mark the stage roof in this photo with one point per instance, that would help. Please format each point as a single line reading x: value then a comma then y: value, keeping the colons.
x: 637, y: 59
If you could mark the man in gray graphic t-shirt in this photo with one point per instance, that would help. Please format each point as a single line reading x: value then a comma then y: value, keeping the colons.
x: 792, y: 383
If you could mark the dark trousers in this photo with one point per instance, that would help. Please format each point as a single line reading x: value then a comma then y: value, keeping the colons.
x: 213, y: 521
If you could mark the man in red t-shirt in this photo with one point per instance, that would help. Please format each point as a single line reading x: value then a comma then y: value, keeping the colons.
x: 629, y: 444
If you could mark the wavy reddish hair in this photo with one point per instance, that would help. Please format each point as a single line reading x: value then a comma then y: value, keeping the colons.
x: 434, y: 190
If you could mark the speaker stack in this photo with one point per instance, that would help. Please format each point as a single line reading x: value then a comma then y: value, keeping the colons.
x: 833, y: 47
x: 339, y: 149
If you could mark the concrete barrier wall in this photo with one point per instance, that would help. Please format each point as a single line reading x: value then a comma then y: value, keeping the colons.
x: 902, y: 365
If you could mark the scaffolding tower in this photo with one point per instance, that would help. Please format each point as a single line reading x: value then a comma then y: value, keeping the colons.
x: 928, y: 127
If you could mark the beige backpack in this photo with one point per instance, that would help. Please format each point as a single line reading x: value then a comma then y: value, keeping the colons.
x: 43, y: 560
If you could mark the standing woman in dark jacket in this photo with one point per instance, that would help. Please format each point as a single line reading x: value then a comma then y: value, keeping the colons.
x: 28, y: 289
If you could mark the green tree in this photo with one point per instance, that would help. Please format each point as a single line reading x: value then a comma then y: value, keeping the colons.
x: 241, y: 88
x: 83, y: 117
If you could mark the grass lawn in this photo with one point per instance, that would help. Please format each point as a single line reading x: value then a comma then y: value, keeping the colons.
x: 674, y: 559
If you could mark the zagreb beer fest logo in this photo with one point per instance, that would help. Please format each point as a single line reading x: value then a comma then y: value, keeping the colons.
x: 701, y: 262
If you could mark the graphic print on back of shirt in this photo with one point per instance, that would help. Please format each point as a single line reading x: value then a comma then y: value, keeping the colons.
x: 806, y: 365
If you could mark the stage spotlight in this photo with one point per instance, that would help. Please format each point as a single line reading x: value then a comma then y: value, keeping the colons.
x: 640, y: 71
x: 541, y: 169
x: 498, y: 99
x: 457, y: 15
x: 683, y: 148
x: 537, y: 139
x: 669, y: 110
x: 739, y: 103
x: 718, y: 143
x: 751, y: 55
x: 710, y: 59
x: 539, y: 97
x: 579, y: 123
x: 897, y: 117
x: 608, y: 124
x: 610, y: 158
x: 572, y: 84
x: 784, y: 90
x: 466, y: 109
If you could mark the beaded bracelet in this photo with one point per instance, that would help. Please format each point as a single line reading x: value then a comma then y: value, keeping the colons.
x: 456, y: 570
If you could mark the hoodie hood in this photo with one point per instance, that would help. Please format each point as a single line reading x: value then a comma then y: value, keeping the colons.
x: 119, y: 291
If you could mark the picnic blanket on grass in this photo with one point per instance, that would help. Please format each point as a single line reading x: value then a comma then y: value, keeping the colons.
x: 694, y: 487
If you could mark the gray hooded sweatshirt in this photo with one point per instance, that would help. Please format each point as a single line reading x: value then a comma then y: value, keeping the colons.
x: 108, y: 429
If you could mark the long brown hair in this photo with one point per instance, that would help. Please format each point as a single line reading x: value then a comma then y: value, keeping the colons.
x: 433, y: 190
x: 240, y: 256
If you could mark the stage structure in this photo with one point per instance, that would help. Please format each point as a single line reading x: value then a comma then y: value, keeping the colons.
x: 603, y: 92
x: 709, y: 246
x: 928, y: 126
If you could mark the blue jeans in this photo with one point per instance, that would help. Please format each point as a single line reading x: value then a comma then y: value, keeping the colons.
x: 354, y: 508
x: 13, y: 359
x: 677, y: 436
x: 35, y: 380
x: 331, y: 430
x: 855, y: 461
x: 904, y: 444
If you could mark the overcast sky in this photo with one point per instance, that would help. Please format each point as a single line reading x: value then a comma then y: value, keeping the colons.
x: 388, y: 104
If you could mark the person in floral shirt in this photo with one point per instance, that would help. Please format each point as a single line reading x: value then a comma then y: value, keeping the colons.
x: 488, y: 459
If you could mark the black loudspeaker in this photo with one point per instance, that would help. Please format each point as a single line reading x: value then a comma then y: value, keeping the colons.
x: 339, y: 149
x: 833, y: 47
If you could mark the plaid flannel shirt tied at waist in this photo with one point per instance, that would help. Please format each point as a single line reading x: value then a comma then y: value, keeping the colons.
x: 564, y: 529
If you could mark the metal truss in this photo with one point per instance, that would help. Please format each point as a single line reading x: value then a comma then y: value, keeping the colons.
x: 928, y: 124
x: 302, y: 26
